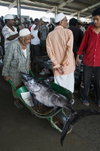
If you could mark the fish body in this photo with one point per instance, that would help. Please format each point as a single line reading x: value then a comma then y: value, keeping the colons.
x: 42, y: 92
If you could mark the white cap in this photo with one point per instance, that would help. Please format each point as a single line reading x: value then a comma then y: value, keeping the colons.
x: 8, y: 16
x: 59, y: 17
x: 24, y: 32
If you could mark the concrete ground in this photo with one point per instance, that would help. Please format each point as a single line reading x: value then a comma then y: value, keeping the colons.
x: 20, y: 131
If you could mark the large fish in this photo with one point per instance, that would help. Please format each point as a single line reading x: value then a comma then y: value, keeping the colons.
x: 41, y: 91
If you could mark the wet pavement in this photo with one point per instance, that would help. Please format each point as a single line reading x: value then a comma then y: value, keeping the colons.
x: 20, y: 131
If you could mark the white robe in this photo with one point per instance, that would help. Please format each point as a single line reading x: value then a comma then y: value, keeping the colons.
x: 66, y: 81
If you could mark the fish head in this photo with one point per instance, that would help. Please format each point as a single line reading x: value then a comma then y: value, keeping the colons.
x: 32, y: 85
x: 25, y: 76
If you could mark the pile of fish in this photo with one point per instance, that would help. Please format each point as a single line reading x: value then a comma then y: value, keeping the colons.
x: 41, y: 91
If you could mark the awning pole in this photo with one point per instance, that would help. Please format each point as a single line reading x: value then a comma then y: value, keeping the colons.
x: 56, y: 11
x: 78, y: 15
x: 19, y: 10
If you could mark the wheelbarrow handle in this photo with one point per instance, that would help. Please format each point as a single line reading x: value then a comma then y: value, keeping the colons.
x: 31, y: 73
x: 11, y: 84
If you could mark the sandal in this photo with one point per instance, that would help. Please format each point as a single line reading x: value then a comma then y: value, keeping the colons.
x: 75, y: 91
x: 98, y: 103
x: 19, y: 106
x: 85, y: 103
x: 72, y: 101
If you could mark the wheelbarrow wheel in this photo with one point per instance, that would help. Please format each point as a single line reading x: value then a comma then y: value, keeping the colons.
x: 59, y: 120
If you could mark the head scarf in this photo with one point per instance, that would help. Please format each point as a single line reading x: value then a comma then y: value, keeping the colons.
x: 8, y: 16
x: 24, y: 32
x: 59, y: 17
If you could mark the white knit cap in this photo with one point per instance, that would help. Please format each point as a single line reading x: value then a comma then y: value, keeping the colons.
x: 59, y: 17
x: 8, y: 16
x: 24, y: 32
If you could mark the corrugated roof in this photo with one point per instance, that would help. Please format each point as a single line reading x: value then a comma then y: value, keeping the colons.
x: 69, y: 7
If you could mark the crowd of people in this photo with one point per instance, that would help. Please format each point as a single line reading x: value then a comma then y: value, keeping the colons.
x: 22, y: 42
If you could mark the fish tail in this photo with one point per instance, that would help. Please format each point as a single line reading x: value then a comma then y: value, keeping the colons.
x: 74, y: 117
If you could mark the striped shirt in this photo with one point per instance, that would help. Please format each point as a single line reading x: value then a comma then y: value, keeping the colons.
x: 7, y: 32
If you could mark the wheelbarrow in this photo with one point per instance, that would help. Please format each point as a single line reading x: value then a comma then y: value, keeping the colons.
x: 57, y: 118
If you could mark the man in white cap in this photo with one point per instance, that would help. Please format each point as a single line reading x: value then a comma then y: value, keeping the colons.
x: 17, y: 58
x: 59, y: 45
x: 9, y: 31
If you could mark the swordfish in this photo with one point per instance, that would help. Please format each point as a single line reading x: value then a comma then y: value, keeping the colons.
x: 41, y: 91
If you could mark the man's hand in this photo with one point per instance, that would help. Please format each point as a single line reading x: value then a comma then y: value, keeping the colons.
x: 37, y: 26
x: 40, y: 21
x: 77, y: 60
x: 29, y: 66
x: 32, y: 36
x: 60, y: 70
x: 6, y: 78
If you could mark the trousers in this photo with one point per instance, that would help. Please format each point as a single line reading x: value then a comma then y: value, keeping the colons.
x: 35, y: 50
x: 88, y: 72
